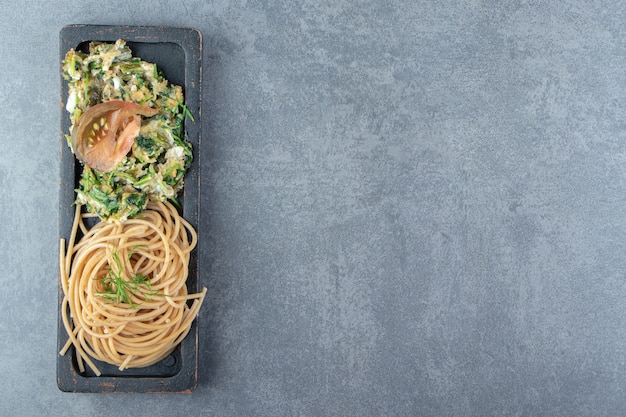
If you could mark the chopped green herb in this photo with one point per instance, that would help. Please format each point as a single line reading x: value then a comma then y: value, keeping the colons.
x: 185, y: 111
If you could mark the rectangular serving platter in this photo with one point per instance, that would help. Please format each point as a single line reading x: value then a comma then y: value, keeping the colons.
x: 177, y: 51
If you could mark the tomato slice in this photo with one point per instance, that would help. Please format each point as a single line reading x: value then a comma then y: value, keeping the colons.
x: 105, y: 133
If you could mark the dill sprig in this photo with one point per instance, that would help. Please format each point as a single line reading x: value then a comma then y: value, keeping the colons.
x: 119, y: 289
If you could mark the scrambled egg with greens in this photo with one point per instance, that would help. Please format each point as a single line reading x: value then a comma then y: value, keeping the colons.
x: 156, y: 156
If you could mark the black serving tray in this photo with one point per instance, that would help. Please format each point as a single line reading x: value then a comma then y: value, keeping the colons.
x: 178, y: 53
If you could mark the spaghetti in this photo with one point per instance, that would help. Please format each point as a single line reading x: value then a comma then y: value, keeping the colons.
x: 125, y: 289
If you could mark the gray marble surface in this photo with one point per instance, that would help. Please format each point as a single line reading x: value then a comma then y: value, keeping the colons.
x: 408, y: 208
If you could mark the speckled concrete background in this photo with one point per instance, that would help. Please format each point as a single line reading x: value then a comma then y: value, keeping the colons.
x: 408, y: 208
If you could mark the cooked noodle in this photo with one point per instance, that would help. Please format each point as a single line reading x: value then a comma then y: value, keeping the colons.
x: 150, y: 254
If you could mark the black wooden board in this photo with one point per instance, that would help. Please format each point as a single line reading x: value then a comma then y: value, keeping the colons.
x: 177, y: 51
